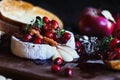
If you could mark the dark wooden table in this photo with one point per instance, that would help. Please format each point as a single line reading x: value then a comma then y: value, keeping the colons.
x: 24, y: 69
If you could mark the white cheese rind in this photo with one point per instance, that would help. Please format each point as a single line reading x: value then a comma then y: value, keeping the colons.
x: 36, y: 51
x: 30, y: 50
x: 71, y: 41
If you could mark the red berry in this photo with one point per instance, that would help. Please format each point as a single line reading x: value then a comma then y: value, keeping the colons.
x: 78, y: 44
x: 113, y: 43
x: 54, y: 25
x: 56, y: 37
x: 65, y: 37
x: 36, y: 28
x: 68, y: 72
x: 109, y: 55
x: 49, y: 34
x: 46, y: 27
x: 27, y: 37
x: 56, y: 68
x: 46, y: 20
x: 117, y: 50
x: 58, y: 61
x: 112, y: 56
x: 37, y: 40
x: 79, y: 50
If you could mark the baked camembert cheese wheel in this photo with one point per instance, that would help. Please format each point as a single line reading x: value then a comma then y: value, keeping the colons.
x: 44, y: 39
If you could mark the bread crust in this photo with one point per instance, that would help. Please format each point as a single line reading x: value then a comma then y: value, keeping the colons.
x: 8, y: 28
x: 23, y: 12
x: 112, y: 64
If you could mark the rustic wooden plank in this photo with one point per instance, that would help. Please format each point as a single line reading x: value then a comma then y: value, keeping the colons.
x: 18, y: 68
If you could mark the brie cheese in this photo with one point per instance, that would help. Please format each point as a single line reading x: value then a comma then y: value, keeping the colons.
x: 36, y: 51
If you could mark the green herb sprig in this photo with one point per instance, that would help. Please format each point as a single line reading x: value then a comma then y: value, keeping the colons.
x: 103, y: 44
x: 60, y: 32
x: 37, y: 23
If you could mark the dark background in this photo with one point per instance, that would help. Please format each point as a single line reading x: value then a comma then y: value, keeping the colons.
x: 68, y: 10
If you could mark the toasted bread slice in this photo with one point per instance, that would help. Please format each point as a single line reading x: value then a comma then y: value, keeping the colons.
x: 113, y: 64
x: 8, y: 28
x: 21, y: 12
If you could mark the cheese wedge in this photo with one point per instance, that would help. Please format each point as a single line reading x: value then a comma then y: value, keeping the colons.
x: 65, y: 56
x: 69, y: 50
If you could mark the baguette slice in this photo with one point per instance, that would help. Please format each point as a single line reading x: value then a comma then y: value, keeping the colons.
x: 21, y: 12
x: 112, y: 64
x: 8, y: 28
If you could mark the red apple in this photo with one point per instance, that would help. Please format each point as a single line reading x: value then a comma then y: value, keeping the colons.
x: 93, y: 22
x: 116, y: 31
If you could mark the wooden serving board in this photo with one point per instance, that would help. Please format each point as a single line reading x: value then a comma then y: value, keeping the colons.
x: 24, y: 69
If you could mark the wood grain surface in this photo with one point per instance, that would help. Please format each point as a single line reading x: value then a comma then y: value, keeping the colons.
x: 24, y: 69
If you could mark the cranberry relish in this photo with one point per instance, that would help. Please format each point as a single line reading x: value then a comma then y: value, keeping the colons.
x: 43, y: 27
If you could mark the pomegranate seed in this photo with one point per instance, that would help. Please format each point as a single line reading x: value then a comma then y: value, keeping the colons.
x: 55, y: 68
x: 68, y: 72
x: 37, y: 40
x: 58, y: 61
x: 27, y: 37
x: 46, y: 20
